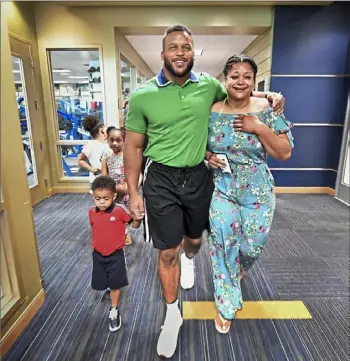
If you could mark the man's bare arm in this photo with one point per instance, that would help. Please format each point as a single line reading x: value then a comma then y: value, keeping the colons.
x: 133, y: 152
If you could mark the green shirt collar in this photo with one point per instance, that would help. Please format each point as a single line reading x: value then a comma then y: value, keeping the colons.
x: 162, y: 81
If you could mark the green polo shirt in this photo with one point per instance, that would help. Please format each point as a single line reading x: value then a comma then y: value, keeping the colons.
x: 174, y: 118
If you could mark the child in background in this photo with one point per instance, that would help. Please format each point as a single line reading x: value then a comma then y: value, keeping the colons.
x: 95, y: 150
x: 108, y: 222
x: 113, y: 166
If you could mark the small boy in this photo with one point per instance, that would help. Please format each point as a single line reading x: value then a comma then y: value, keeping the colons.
x: 108, y: 222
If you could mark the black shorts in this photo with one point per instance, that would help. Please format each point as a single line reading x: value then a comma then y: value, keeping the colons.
x: 177, y: 202
x: 109, y: 271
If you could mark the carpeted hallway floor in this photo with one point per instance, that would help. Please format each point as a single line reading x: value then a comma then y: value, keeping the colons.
x: 307, y: 258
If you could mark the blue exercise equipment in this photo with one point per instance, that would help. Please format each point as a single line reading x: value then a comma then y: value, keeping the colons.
x: 72, y: 125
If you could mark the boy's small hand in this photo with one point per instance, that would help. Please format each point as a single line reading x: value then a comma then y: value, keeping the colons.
x: 136, y: 223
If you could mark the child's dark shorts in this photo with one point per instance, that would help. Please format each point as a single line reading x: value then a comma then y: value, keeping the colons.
x: 109, y: 271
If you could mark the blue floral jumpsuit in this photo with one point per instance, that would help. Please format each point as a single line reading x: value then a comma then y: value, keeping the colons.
x: 242, y: 206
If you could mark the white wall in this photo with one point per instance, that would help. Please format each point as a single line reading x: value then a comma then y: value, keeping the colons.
x: 261, y: 51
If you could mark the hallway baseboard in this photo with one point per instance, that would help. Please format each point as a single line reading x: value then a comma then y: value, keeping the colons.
x: 68, y: 189
x: 302, y: 190
x: 16, y: 330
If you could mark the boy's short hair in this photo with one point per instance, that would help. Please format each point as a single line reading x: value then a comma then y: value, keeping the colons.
x: 103, y: 182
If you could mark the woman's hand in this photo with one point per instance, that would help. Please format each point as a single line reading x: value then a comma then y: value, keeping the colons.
x: 214, y: 161
x: 247, y: 124
x: 277, y: 101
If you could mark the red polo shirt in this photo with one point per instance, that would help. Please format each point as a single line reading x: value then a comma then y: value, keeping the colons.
x: 108, y: 228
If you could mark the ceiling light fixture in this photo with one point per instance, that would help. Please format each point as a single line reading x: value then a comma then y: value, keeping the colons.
x: 78, y: 77
x: 61, y: 71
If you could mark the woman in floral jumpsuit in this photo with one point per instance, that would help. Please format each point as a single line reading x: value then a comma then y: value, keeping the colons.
x: 243, y: 130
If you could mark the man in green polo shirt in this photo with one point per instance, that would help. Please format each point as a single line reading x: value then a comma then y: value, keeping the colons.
x: 173, y: 111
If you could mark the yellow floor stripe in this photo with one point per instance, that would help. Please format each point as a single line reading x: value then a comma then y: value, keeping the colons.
x: 251, y: 310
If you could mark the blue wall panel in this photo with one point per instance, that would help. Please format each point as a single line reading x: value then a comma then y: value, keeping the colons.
x: 315, y: 147
x: 313, y: 100
x: 311, y: 39
x: 312, y: 178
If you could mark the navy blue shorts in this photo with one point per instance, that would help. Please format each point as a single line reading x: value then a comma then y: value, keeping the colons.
x: 109, y: 271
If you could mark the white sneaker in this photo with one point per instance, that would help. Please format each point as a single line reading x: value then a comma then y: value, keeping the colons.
x: 187, y: 272
x: 167, y: 341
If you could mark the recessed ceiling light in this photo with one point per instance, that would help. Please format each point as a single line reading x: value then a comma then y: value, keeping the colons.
x: 61, y: 71
x: 78, y: 77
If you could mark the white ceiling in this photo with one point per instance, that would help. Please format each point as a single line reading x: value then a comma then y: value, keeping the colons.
x: 216, y: 50
x: 76, y: 61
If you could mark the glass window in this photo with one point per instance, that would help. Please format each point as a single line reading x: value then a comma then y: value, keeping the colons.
x: 139, y: 79
x: 69, y: 161
x: 27, y: 141
x: 125, y: 73
x: 78, y: 91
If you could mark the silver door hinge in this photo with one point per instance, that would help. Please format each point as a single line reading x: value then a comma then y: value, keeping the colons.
x: 36, y: 105
x: 31, y: 61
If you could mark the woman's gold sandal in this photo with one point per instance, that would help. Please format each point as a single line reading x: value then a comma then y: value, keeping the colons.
x: 226, y: 324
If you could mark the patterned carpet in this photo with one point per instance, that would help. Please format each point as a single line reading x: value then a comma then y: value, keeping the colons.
x: 307, y: 258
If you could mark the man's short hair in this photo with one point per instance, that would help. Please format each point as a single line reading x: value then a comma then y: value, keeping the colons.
x: 175, y: 28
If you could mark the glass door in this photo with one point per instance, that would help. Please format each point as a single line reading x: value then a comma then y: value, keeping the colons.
x: 24, y: 84
x: 24, y: 119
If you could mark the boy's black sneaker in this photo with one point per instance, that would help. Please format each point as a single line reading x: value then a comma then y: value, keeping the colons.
x: 115, y: 321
